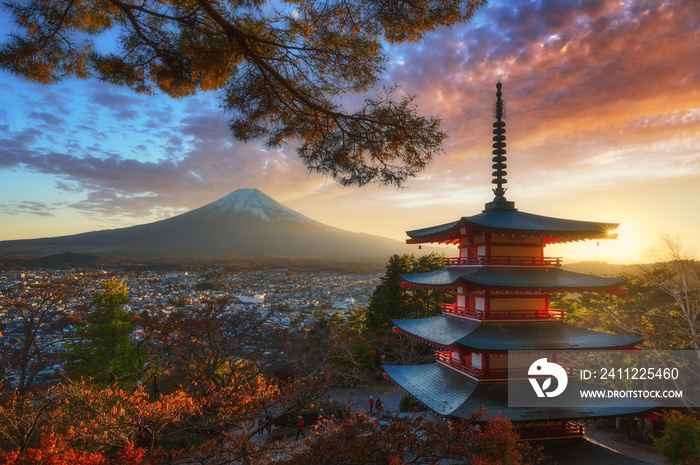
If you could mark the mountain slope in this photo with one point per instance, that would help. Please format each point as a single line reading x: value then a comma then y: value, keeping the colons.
x: 243, y: 223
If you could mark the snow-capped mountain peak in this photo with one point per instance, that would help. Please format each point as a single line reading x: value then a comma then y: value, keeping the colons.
x: 250, y: 203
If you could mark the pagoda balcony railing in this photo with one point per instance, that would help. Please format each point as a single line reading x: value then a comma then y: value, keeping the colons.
x: 446, y: 358
x: 504, y: 261
x: 545, y: 314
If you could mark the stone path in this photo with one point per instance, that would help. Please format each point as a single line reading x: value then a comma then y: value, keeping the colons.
x: 621, y: 446
x: 390, y: 395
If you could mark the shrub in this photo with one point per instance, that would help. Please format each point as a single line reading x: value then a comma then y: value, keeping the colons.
x: 408, y: 404
x: 680, y: 443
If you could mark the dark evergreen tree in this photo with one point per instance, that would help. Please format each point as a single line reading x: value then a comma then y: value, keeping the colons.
x: 390, y: 300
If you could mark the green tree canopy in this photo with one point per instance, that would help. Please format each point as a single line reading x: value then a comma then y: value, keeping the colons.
x: 285, y: 70
x: 104, y: 348
x: 390, y: 300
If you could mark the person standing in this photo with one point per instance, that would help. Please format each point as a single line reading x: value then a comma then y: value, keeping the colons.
x: 300, y: 428
x: 371, y: 404
x: 379, y: 405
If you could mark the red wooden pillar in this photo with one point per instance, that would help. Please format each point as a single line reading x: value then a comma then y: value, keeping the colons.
x: 487, y: 304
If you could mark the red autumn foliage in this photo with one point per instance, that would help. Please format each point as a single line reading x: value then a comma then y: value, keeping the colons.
x: 54, y: 450
x: 106, y: 426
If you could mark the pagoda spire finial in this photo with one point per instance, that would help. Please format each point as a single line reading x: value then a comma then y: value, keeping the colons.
x: 499, y: 155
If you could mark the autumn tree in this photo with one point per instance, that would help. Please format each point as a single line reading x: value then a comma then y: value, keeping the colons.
x: 662, y: 304
x: 295, y: 71
x: 110, y: 418
x: 111, y: 424
x: 678, y: 277
x: 31, y: 432
x: 104, y: 349
x: 415, y: 440
x: 38, y: 312
x: 75, y: 423
x: 53, y: 450
x: 641, y: 312
x: 680, y: 443
x: 213, y: 342
x: 330, y: 346
x: 22, y: 418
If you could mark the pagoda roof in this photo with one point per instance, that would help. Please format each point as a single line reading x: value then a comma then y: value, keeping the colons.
x: 535, y: 279
x: 450, y: 332
x: 453, y: 395
x: 512, y: 221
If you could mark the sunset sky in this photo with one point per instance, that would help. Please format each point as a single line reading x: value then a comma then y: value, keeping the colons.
x: 603, y: 124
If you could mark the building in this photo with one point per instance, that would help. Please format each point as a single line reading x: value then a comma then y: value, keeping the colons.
x: 502, y: 282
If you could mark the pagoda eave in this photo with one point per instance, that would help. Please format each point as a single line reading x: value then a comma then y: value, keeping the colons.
x: 521, y: 279
x: 447, y: 287
x: 549, y: 240
x: 435, y: 344
x: 460, y: 397
x: 518, y: 223
x: 452, y: 238
x: 449, y: 332
x: 521, y: 290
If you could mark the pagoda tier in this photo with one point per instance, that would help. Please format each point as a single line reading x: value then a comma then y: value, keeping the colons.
x: 452, y: 395
x: 510, y: 221
x: 448, y: 332
x: 537, y: 279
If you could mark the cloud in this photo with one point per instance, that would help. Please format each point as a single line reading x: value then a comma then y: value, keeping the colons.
x: 596, y: 91
x: 582, y: 81
x: 48, y: 118
x: 116, y: 99
x: 29, y: 207
x: 143, y: 168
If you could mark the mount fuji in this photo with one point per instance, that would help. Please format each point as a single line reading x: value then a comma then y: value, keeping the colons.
x: 245, y: 223
x: 249, y: 203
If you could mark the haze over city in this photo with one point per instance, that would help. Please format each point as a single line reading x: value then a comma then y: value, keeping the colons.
x: 603, y: 124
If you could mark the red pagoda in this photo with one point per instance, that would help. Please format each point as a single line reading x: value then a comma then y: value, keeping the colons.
x: 502, y: 282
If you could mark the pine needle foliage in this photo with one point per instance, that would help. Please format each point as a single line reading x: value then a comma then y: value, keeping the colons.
x: 297, y: 71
